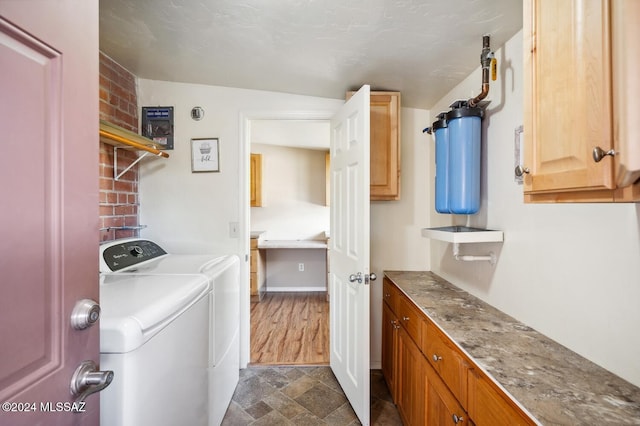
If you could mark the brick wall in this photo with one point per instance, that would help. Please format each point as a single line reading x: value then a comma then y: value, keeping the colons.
x: 118, y: 199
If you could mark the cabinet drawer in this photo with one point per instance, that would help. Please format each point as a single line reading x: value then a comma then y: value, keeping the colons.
x: 390, y: 294
x: 411, y: 318
x: 447, y: 361
x: 254, y: 243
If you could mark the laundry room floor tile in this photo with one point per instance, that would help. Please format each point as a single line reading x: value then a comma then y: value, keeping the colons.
x: 302, y: 396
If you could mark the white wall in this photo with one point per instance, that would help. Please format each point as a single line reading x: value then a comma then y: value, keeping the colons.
x: 190, y: 212
x: 293, y: 208
x: 293, y: 194
x: 571, y: 271
x: 283, y: 273
x: 396, y: 242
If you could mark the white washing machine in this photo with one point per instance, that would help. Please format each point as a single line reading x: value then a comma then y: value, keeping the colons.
x: 153, y: 335
x: 138, y: 257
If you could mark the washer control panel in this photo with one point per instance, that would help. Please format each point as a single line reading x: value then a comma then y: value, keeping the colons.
x: 129, y: 253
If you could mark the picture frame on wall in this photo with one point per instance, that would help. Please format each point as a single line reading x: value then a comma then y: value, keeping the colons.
x: 205, y: 155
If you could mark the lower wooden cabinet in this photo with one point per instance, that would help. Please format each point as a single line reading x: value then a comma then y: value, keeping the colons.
x: 258, y: 275
x: 390, y: 328
x: 446, y: 361
x: 410, y: 380
x: 489, y: 406
x: 442, y: 408
x: 431, y: 380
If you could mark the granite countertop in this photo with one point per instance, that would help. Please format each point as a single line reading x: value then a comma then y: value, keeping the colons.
x: 554, y: 384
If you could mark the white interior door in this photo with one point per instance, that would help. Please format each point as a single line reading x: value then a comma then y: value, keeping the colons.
x: 49, y: 175
x: 349, y: 251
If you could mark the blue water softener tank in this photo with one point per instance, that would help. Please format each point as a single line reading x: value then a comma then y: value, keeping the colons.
x: 464, y: 131
x: 441, y: 132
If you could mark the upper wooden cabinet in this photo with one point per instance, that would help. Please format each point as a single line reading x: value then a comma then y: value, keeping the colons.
x: 570, y: 88
x: 385, y: 146
x: 255, y: 191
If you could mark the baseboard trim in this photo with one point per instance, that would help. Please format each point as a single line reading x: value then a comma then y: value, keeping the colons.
x: 271, y: 289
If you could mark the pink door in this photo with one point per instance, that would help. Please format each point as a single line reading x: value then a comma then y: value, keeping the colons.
x: 49, y: 213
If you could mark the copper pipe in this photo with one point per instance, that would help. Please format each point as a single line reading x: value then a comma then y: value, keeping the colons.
x: 485, y: 61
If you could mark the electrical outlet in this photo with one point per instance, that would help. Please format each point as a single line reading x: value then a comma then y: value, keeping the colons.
x: 301, y: 267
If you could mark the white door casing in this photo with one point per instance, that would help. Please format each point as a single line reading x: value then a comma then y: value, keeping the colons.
x: 349, y: 251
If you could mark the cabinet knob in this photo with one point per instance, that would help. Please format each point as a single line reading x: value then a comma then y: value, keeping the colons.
x: 599, y: 153
x: 405, y: 318
x: 457, y: 419
x: 436, y: 357
x: 520, y: 170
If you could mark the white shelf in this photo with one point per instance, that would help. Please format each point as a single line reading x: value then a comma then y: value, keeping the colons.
x: 292, y: 244
x: 463, y: 234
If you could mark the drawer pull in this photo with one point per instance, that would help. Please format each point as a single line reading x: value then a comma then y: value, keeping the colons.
x: 387, y: 295
x: 405, y: 318
x: 457, y: 419
x: 436, y: 358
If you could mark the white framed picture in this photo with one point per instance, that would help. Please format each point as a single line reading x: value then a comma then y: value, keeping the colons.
x: 205, y: 155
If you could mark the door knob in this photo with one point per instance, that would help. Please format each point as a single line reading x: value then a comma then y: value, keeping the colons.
x: 370, y: 277
x: 85, y: 313
x: 87, y: 380
x: 599, y: 153
x: 356, y: 277
x: 520, y: 170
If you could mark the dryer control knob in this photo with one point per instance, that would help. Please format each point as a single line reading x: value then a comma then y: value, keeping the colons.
x: 136, y: 251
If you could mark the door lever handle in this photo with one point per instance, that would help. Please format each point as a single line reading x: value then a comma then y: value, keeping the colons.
x: 87, y: 380
x: 356, y: 277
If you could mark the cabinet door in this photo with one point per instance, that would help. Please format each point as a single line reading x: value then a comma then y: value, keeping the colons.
x: 567, y: 67
x: 489, y: 406
x: 410, y: 380
x: 389, y: 346
x: 384, y: 182
x: 255, y: 191
x: 446, y: 360
x: 442, y: 408
x: 385, y: 146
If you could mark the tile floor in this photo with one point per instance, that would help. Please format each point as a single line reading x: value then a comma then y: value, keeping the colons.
x: 302, y: 396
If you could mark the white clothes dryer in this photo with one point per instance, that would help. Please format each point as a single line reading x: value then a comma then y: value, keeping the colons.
x: 153, y: 335
x: 139, y: 257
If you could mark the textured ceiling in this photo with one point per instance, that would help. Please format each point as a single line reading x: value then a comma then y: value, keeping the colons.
x: 311, y: 47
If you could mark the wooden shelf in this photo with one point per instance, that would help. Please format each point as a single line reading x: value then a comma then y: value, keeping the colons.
x: 122, y: 138
x: 123, y: 228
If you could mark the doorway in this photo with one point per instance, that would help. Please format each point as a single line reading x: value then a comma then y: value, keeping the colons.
x: 289, y: 323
